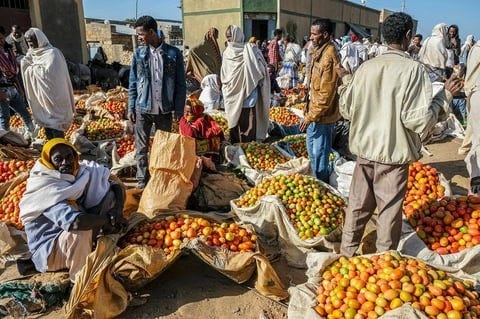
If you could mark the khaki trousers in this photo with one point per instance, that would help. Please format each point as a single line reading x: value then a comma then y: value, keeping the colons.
x: 375, y: 185
x: 70, y: 252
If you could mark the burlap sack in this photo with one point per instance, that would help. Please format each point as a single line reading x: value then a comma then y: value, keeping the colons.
x: 303, y: 297
x: 235, y: 155
x: 269, y: 219
x: 101, y: 289
x: 171, y: 165
x: 467, y: 261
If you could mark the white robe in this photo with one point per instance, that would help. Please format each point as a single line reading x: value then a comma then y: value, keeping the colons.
x: 47, y: 85
x: 434, y: 49
x: 243, y: 69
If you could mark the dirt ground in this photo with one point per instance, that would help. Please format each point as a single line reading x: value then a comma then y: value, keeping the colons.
x: 191, y: 289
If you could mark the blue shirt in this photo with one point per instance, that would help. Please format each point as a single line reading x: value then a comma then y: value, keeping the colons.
x: 44, y: 230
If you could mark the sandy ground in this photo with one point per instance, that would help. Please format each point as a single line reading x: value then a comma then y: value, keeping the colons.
x: 191, y: 289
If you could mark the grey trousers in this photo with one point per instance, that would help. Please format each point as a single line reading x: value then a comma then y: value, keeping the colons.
x: 375, y: 185
x: 143, y: 128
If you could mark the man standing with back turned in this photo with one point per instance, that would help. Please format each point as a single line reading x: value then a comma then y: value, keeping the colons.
x: 322, y: 108
x: 389, y: 104
x: 157, y: 89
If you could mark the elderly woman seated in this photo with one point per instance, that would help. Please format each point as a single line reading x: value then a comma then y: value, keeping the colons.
x: 66, y: 204
x: 207, y: 133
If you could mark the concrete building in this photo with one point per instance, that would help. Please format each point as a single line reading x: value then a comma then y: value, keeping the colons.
x: 118, y: 38
x: 260, y: 18
x: 60, y: 20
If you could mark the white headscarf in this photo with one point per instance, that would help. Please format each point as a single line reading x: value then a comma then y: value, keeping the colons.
x: 47, y: 84
x: 434, y: 49
x: 211, y: 94
x: 243, y: 68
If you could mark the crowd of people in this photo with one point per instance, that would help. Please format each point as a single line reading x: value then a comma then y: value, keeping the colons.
x: 349, y: 78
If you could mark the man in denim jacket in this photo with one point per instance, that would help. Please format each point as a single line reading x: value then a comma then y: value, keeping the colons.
x: 156, y: 90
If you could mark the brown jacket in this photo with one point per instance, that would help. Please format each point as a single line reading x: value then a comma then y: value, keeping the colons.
x: 322, y: 106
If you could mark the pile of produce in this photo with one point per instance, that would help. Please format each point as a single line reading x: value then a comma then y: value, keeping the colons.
x: 171, y: 232
x: 116, y: 107
x: 423, y: 186
x: 295, y: 95
x: 361, y: 287
x: 10, y: 169
x: 125, y: 144
x: 222, y: 122
x: 80, y: 105
x: 73, y: 127
x: 102, y: 129
x: 449, y: 225
x: 9, y: 210
x: 16, y: 121
x: 312, y: 209
x: 283, y: 116
x: 262, y: 156
x: 298, y: 143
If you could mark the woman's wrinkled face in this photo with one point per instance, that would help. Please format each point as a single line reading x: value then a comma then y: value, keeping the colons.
x: 63, y: 158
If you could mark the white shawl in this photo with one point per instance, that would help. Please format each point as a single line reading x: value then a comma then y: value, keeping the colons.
x: 47, y: 84
x: 434, y: 49
x: 47, y: 187
x: 243, y: 68
x: 211, y: 94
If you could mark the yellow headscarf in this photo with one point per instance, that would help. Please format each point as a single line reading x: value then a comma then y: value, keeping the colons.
x: 47, y: 149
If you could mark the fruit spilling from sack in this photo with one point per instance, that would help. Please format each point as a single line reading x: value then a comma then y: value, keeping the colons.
x: 298, y: 144
x: 262, y: 156
x: 171, y: 232
x: 423, y: 186
x: 283, y: 116
x: 9, y: 210
x: 102, y: 129
x: 312, y: 209
x: 449, y: 225
x: 368, y: 287
x: 115, y: 107
x: 10, y: 169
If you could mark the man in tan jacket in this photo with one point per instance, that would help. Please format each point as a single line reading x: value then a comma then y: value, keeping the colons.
x: 322, y: 108
x: 389, y: 103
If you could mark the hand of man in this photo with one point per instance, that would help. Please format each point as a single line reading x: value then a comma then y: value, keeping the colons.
x: 453, y: 85
x: 341, y: 71
x: 303, y: 125
x: 131, y: 117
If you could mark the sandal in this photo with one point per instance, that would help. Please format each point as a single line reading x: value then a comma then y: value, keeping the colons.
x: 475, y: 185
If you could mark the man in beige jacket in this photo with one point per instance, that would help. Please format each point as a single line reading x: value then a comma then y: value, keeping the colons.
x: 389, y: 103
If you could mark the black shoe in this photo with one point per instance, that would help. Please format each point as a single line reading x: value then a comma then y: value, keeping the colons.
x: 26, y: 267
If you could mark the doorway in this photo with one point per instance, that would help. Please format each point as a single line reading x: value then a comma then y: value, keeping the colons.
x: 260, y: 29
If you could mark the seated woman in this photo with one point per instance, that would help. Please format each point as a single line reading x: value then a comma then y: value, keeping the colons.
x: 65, y: 205
x: 194, y: 123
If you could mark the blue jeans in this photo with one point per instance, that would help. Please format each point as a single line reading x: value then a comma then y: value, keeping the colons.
x: 319, y: 147
x: 459, y: 108
x: 17, y: 103
x: 143, y: 128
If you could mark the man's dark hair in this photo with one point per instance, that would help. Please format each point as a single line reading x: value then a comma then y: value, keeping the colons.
x: 396, y: 26
x: 277, y: 32
x: 290, y: 38
x: 325, y: 25
x: 418, y: 35
x: 15, y: 26
x: 453, y: 26
x: 146, y: 22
